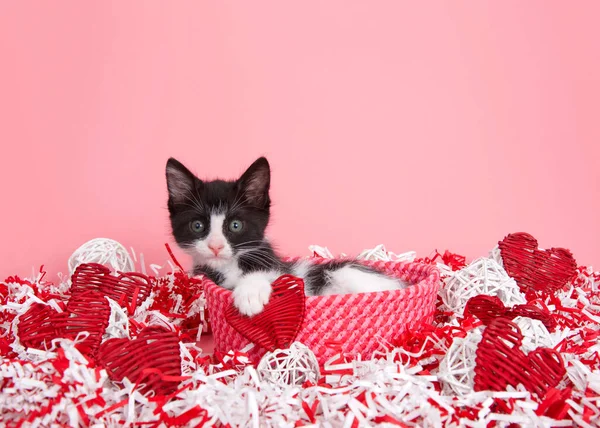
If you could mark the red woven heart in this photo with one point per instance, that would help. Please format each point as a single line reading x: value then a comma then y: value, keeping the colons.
x: 278, y: 324
x: 36, y: 327
x: 151, y: 360
x: 86, y: 312
x: 488, y: 308
x: 500, y: 361
x: 535, y: 269
x: 128, y: 289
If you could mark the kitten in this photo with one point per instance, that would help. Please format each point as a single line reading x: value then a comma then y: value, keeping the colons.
x: 221, y: 224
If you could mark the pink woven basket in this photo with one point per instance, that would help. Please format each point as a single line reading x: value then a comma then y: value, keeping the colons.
x: 358, y: 323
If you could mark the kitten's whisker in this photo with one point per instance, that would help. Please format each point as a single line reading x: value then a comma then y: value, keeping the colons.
x: 259, y: 241
x: 264, y: 250
x: 196, y: 204
x: 260, y: 251
x: 262, y: 257
x: 262, y: 254
x: 260, y: 261
x: 193, y: 206
x: 236, y: 202
x: 196, y: 201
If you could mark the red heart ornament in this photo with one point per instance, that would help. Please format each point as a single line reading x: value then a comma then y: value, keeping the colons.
x: 127, y: 289
x: 488, y: 308
x: 86, y: 312
x: 500, y: 361
x: 535, y: 269
x: 278, y: 324
x: 36, y: 328
x: 151, y: 359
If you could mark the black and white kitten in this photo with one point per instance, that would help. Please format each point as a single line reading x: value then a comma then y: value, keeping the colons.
x: 221, y: 224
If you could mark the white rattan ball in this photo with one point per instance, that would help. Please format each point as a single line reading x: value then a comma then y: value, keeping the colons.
x: 457, y: 368
x: 535, y: 334
x: 292, y: 366
x: 104, y: 251
x: 482, y: 276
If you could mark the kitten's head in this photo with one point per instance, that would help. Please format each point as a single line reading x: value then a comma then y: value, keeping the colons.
x: 216, y: 220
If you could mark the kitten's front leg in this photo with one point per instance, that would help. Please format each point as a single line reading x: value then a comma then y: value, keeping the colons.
x: 252, y: 292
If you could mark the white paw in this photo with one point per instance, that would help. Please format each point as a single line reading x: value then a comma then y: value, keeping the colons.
x: 252, y: 294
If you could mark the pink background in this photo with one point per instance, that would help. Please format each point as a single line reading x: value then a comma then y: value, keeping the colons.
x: 419, y: 125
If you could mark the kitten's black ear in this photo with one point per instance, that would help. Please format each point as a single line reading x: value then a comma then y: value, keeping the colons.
x: 180, y: 181
x: 255, y: 183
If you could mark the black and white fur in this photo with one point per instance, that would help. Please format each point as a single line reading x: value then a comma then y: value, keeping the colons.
x: 221, y: 224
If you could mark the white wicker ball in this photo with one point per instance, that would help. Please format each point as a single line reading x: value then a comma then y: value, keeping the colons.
x: 104, y: 251
x: 482, y: 276
x: 535, y: 334
x: 292, y: 366
x: 457, y: 368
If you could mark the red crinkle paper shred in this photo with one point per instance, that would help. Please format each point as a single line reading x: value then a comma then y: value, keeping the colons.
x: 190, y: 289
x: 452, y: 260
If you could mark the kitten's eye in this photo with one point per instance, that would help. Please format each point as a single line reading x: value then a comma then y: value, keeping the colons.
x: 197, y: 226
x: 236, y: 226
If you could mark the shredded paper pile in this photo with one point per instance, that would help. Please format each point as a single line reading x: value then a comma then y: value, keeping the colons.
x: 439, y: 376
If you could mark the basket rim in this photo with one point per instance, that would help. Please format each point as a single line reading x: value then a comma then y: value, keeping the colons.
x: 426, y: 282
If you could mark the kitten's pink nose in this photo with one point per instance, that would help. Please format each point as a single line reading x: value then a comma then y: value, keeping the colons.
x: 216, y: 247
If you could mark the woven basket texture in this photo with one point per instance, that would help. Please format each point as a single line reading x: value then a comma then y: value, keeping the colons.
x: 353, y: 323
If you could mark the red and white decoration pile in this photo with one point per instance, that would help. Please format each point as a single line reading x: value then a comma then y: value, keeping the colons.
x: 516, y: 340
